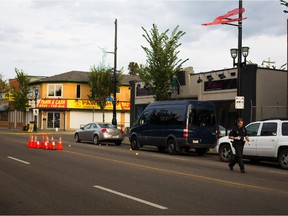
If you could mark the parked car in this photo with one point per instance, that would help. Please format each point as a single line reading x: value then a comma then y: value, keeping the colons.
x: 99, y: 132
x: 269, y: 141
x: 176, y: 126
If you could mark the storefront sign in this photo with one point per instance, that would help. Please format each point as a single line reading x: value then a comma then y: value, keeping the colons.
x: 52, y: 103
x: 220, y: 85
x: 80, y: 104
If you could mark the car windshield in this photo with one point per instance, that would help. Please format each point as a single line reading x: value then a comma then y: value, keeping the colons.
x: 107, y: 126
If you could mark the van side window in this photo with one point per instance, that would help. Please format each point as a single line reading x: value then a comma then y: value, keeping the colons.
x: 143, y: 118
x: 171, y: 116
x: 269, y: 129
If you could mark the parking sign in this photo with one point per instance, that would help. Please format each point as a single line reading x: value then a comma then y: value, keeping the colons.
x: 239, y: 102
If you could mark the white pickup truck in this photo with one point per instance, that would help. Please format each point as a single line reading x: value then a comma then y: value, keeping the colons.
x: 269, y: 141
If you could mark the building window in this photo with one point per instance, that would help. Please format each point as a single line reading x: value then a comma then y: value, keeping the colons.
x: 53, y: 120
x: 55, y: 90
x: 78, y: 91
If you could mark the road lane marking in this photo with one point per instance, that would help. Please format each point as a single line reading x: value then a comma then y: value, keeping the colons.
x: 182, y: 173
x: 275, y: 172
x: 16, y: 159
x: 131, y: 197
x: 172, y: 158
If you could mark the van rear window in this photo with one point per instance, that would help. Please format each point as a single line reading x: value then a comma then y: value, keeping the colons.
x: 202, y: 118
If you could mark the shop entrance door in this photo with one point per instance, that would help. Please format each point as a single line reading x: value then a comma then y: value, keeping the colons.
x: 53, y: 120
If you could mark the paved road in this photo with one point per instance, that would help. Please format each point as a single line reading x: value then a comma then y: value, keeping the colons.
x: 89, y: 179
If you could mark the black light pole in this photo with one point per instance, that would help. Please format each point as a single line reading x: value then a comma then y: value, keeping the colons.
x: 114, y: 119
x: 35, y: 117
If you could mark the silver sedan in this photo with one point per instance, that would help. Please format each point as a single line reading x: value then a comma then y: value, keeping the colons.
x: 99, y: 132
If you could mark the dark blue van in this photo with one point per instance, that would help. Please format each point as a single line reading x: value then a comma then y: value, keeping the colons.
x: 176, y: 126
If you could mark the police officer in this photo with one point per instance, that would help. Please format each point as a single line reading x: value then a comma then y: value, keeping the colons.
x: 238, y: 134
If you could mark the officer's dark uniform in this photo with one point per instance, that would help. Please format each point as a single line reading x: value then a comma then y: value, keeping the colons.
x: 238, y: 146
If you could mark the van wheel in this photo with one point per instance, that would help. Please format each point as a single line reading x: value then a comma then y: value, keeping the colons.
x: 96, y: 140
x: 225, y: 153
x: 161, y: 148
x: 201, y: 151
x: 134, y: 143
x: 283, y: 159
x: 171, y: 147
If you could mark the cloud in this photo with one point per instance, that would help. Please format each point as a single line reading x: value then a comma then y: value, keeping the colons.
x: 54, y: 36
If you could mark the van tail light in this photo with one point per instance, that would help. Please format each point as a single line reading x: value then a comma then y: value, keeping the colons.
x: 104, y: 130
x: 185, y: 131
x: 217, y: 132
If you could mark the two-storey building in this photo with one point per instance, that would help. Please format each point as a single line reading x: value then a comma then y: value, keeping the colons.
x: 63, y: 102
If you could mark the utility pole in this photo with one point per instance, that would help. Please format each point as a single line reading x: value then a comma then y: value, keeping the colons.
x: 114, y: 119
x: 239, y: 66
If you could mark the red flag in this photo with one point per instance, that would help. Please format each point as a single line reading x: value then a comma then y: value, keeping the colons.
x: 226, y: 18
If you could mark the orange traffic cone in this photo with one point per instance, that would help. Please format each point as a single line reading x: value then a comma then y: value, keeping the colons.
x: 60, y: 146
x: 34, y: 145
x: 29, y: 144
x: 42, y: 145
x: 46, y: 144
x: 53, y: 145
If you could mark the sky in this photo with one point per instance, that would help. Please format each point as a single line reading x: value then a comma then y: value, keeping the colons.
x: 45, y: 38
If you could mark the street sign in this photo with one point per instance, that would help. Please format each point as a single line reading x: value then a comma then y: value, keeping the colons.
x: 35, y: 112
x: 239, y: 102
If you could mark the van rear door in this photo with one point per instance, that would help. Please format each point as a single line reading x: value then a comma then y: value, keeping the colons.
x: 202, y: 125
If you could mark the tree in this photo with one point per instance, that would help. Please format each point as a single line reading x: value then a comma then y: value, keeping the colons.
x: 162, y: 62
x: 101, y: 82
x: 3, y: 84
x: 20, y: 92
x: 133, y: 68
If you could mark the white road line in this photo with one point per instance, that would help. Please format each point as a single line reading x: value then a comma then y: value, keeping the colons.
x: 25, y: 162
x: 275, y: 172
x: 172, y: 158
x: 132, y: 198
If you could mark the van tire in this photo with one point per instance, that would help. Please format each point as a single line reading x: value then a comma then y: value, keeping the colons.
x: 225, y: 153
x: 201, y: 151
x: 171, y: 147
x: 134, y: 143
x: 283, y: 159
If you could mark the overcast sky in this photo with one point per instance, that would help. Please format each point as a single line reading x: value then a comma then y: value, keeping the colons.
x: 52, y: 37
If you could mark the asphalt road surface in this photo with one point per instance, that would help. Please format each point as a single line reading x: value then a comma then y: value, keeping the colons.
x: 106, y: 179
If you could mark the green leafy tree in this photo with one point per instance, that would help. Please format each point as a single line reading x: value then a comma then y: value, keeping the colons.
x: 20, y: 92
x: 133, y: 68
x: 3, y: 84
x: 162, y: 62
x: 101, y: 82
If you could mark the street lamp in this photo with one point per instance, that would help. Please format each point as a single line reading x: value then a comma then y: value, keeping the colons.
x: 234, y: 54
x: 35, y: 116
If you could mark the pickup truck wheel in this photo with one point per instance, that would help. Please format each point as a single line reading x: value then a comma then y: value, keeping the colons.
x: 225, y: 153
x: 134, y: 143
x: 283, y: 159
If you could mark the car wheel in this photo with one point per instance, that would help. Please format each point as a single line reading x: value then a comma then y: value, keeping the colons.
x: 171, y: 147
x: 225, y: 153
x: 76, y: 138
x: 134, y: 143
x: 161, y: 148
x: 118, y: 143
x: 96, y: 140
x: 283, y: 159
x: 201, y: 151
